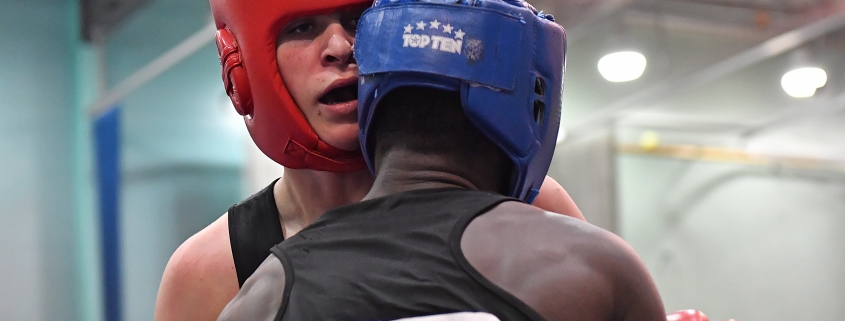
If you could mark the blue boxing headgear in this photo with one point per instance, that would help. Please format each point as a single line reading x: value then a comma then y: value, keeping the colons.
x: 505, y: 58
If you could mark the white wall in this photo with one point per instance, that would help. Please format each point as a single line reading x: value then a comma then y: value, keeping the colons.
x: 738, y: 241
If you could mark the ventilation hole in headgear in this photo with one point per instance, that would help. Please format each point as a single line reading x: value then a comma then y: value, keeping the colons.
x: 539, y: 110
x: 539, y: 86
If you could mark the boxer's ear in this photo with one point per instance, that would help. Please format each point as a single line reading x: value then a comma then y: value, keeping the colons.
x: 234, y: 75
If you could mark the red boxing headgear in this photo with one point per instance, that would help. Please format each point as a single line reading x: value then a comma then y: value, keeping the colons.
x: 246, y: 44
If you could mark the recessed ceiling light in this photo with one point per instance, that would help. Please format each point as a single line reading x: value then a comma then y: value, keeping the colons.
x: 803, y: 82
x: 622, y: 66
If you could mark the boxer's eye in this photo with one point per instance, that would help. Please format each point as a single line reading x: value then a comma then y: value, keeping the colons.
x: 301, y: 28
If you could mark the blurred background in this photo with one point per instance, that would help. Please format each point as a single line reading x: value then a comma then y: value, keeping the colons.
x: 710, y: 134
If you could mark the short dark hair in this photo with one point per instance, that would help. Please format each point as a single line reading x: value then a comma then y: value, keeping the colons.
x: 432, y: 121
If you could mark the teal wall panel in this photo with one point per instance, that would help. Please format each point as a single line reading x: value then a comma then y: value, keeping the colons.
x: 36, y: 140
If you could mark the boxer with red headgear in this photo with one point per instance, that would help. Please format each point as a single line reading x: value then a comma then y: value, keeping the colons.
x: 248, y: 33
x: 281, y: 61
x: 288, y: 67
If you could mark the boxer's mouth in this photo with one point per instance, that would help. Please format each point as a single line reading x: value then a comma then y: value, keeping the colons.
x: 340, y: 95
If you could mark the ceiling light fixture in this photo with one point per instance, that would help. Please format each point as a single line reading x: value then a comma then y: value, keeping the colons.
x: 803, y: 82
x: 622, y: 66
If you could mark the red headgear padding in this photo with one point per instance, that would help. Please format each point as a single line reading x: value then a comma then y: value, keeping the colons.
x: 246, y: 44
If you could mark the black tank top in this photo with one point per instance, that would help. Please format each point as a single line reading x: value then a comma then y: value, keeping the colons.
x: 394, y: 257
x: 254, y: 228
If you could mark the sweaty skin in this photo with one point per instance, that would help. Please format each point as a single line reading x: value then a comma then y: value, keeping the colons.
x: 315, y: 53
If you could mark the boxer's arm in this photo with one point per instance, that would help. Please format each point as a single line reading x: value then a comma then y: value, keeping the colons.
x: 261, y: 296
x: 553, y: 198
x: 200, y: 277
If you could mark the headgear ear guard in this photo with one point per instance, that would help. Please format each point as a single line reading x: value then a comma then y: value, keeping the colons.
x: 505, y: 58
x: 246, y: 44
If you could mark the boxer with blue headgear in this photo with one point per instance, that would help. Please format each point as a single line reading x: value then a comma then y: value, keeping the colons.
x: 459, y: 109
x: 505, y: 59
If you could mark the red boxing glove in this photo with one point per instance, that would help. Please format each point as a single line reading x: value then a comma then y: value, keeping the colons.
x: 687, y: 315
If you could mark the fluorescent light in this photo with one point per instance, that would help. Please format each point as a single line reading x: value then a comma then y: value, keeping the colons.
x: 622, y: 66
x: 803, y: 82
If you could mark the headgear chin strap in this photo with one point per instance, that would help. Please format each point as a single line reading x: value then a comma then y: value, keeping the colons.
x: 504, y: 58
x: 246, y: 44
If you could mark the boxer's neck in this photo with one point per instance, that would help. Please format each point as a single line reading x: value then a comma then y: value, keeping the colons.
x: 303, y: 195
x: 401, y: 170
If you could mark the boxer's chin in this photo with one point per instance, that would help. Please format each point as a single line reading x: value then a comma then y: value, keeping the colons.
x: 341, y: 135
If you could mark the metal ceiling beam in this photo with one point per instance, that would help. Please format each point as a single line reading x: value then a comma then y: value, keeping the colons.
x: 595, y: 16
x: 744, y: 129
x: 161, y: 64
x: 694, y: 25
x: 100, y: 17
x: 795, y: 115
x: 683, y: 123
x: 777, y: 45
x: 776, y: 6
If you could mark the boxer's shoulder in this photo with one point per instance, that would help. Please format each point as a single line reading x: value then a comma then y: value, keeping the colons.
x: 200, y: 272
x: 262, y: 294
x: 554, y: 198
x: 516, y: 235
x: 554, y: 263
x: 521, y: 224
x: 207, y: 252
